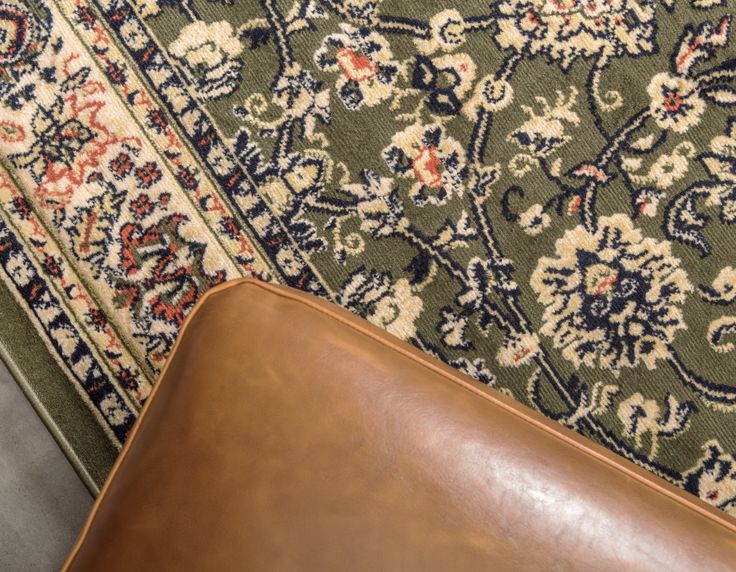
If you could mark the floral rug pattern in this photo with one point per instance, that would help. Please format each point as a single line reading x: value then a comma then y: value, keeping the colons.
x: 541, y: 193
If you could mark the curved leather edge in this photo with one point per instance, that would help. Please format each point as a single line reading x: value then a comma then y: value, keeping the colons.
x: 523, y: 412
x: 131, y: 438
x: 567, y: 436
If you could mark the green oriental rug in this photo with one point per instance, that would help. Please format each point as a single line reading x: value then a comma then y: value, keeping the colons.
x: 541, y: 193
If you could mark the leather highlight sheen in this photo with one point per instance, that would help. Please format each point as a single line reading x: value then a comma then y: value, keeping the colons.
x: 286, y: 434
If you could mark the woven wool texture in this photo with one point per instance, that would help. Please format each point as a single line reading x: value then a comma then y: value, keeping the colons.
x: 541, y: 193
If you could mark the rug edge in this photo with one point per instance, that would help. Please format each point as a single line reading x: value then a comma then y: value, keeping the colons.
x: 64, y: 414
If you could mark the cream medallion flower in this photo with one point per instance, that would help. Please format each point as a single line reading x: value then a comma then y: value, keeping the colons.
x: 611, y: 298
x: 365, y: 63
x: 398, y: 310
x: 675, y: 103
x: 648, y: 201
x: 434, y: 160
x: 644, y: 420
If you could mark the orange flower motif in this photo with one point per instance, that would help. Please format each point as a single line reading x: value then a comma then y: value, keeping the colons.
x: 355, y: 66
x: 611, y: 298
x: 676, y: 103
x: 365, y: 63
x: 427, y: 167
x: 434, y: 160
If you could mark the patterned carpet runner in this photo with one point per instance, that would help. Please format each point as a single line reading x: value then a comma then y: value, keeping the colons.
x: 541, y: 193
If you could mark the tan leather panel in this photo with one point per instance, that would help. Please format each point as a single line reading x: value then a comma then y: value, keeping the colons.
x: 286, y: 434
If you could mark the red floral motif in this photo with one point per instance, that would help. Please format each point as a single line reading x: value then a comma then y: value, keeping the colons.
x: 148, y: 174
x: 355, y: 66
x: 121, y: 165
x: 427, y: 167
x: 169, y: 288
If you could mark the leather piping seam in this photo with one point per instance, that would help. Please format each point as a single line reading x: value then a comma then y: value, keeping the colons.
x: 686, y: 503
x: 279, y: 291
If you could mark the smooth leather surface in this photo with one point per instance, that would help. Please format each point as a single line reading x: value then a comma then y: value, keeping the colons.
x: 287, y: 434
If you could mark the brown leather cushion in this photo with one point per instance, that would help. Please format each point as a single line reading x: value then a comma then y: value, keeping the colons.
x: 286, y: 434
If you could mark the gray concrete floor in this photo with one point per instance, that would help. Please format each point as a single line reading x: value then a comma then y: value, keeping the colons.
x: 43, y: 503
